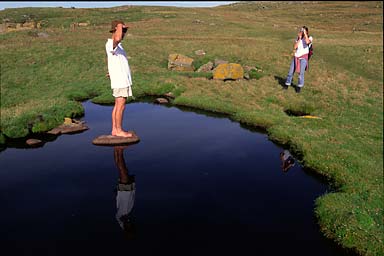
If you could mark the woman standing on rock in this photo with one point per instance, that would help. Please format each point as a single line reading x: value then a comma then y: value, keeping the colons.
x: 299, y: 63
x: 120, y: 74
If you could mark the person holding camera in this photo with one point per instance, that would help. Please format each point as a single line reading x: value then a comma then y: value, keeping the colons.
x: 299, y: 62
x: 119, y: 73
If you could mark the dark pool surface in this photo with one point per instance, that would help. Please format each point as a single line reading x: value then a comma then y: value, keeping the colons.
x: 203, y: 186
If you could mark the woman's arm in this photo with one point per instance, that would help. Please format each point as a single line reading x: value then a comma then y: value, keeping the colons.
x: 306, y: 38
x: 296, y: 44
x: 118, y: 35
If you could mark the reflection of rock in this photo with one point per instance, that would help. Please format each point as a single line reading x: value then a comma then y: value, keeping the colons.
x: 69, y: 126
x: 34, y: 142
x: 230, y: 71
x: 180, y: 62
x: 116, y: 140
x: 161, y: 101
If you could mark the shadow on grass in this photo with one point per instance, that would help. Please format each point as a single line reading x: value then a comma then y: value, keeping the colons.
x: 281, y: 81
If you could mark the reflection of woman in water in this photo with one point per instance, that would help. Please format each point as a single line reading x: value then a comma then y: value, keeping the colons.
x: 287, y: 160
x: 125, y: 193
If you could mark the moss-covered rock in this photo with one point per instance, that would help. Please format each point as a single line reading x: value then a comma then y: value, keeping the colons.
x: 230, y: 71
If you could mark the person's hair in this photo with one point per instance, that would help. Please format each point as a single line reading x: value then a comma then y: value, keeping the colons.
x: 306, y: 29
x: 114, y: 24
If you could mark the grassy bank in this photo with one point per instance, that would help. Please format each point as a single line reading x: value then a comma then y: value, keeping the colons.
x: 42, y: 78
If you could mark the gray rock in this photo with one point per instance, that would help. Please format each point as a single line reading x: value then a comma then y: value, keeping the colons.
x: 42, y: 34
x: 206, y: 67
x: 109, y: 140
x: 200, y: 52
x: 179, y: 62
x: 218, y: 62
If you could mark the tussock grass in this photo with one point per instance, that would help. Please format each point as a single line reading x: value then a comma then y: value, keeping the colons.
x: 42, y: 78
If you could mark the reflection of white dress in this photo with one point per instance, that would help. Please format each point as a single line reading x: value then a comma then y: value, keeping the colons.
x: 124, y: 201
x: 287, y: 155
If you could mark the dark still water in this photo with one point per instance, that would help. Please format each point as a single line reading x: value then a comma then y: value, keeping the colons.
x: 194, y: 185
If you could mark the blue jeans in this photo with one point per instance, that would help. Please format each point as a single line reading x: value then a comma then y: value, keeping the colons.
x: 303, y: 65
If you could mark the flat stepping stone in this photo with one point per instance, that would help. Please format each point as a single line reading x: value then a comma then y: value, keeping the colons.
x: 69, y: 126
x: 34, y: 142
x: 161, y: 101
x: 109, y: 140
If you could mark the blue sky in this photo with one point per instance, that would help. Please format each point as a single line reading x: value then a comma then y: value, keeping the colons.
x: 106, y: 4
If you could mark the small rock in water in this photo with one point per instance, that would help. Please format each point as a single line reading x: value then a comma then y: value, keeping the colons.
x: 34, y: 142
x: 169, y: 95
x: 69, y: 126
x: 73, y: 128
x: 55, y: 131
x: 109, y: 140
x: 161, y: 101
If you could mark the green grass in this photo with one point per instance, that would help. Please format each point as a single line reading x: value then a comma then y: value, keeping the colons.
x: 42, y: 80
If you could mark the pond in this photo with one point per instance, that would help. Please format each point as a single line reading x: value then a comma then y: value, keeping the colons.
x: 195, y: 184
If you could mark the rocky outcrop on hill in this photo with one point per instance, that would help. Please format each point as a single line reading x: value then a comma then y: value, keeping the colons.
x: 179, y: 62
x: 220, y: 69
x: 7, y: 26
